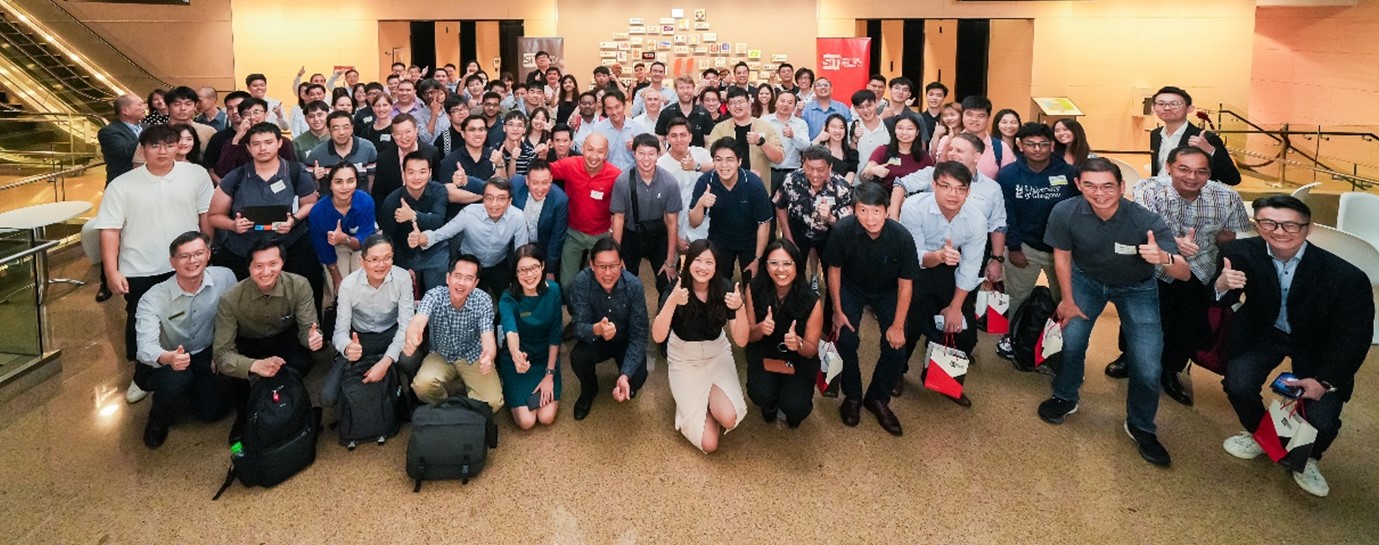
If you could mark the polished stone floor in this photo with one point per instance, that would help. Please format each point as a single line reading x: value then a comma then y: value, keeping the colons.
x: 76, y: 472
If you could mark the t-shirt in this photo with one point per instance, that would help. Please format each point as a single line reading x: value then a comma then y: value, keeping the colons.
x: 653, y: 202
x: 151, y: 211
x: 900, y: 165
x: 737, y: 212
x: 1108, y: 250
x: 695, y: 320
x: 872, y: 265
x: 687, y: 180
x: 285, y: 188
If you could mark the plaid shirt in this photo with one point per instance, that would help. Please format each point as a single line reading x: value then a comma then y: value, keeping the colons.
x: 799, y: 202
x: 456, y: 333
x: 1218, y: 208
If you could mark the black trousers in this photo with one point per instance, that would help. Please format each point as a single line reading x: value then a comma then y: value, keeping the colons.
x: 138, y: 286
x: 728, y: 258
x: 791, y: 394
x: 1248, y: 371
x: 496, y: 279
x: 300, y: 259
x: 891, y: 361
x: 585, y: 357
x: 646, y: 244
x: 204, y: 390
x: 933, y: 291
x: 1183, y: 313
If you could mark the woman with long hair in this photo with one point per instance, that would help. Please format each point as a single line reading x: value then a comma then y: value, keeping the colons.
x: 764, y: 103
x: 949, y: 124
x: 786, y: 321
x: 380, y: 131
x: 188, y: 144
x: 530, y: 311
x: 157, y: 108
x: 1070, y: 142
x: 360, y: 93
x: 338, y: 230
x: 539, y: 131
x: 843, y: 157
x: 900, y: 157
x: 703, y: 374
x: 1004, y: 125
x: 568, y: 97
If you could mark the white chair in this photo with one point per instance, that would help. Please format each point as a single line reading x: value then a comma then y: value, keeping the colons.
x: 1127, y: 172
x: 1304, y: 192
x: 1355, y: 250
x: 1359, y: 215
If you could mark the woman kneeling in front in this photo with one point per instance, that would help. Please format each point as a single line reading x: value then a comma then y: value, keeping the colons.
x: 529, y: 368
x: 703, y: 376
x: 787, y: 320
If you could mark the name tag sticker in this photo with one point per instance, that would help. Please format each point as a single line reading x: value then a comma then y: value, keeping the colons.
x: 894, y: 161
x: 1058, y: 180
x: 278, y: 186
x: 1126, y: 249
x: 385, y: 138
x: 596, y: 195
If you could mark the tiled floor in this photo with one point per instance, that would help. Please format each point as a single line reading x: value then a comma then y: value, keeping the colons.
x: 75, y: 471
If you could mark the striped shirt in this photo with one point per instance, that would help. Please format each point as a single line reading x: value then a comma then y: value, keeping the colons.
x: 1217, y: 208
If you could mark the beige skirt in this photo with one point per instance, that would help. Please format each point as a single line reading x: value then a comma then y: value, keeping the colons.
x: 695, y: 367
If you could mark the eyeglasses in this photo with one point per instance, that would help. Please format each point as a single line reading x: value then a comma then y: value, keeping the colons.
x: 530, y: 269
x: 1172, y: 105
x: 1089, y: 188
x: 163, y: 147
x: 379, y: 260
x: 606, y: 267
x: 1045, y: 144
x: 1185, y: 171
x: 1288, y: 226
x: 496, y: 198
x: 193, y: 256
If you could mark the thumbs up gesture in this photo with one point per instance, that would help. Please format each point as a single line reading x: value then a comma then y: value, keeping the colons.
x: 416, y: 238
x: 734, y: 298
x: 520, y: 361
x: 337, y: 236
x: 179, y: 359
x: 1230, y: 279
x: 314, y: 340
x: 354, y: 350
x: 606, y: 329
x: 496, y: 157
x: 317, y: 171
x: 1200, y: 142
x: 792, y: 340
x: 948, y: 254
x: 768, y: 324
x: 1187, y: 244
x: 1150, y: 251
x: 404, y: 213
x: 679, y: 295
x: 242, y: 225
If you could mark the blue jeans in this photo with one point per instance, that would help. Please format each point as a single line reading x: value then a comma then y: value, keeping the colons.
x: 1138, y: 306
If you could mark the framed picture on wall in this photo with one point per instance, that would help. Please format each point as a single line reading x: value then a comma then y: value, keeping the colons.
x: 754, y: 66
x: 608, y: 45
x: 608, y: 54
x: 700, y: 15
x: 740, y: 48
x: 662, y: 56
x: 683, y: 24
x: 667, y: 20
x: 624, y: 46
x: 681, y: 39
x: 667, y: 29
x: 693, y: 39
x: 607, y: 62
x: 635, y: 30
x: 622, y: 56
x: 635, y: 21
x: 754, y: 54
x: 701, y: 50
x: 703, y: 63
x: 677, y: 13
x: 681, y: 50
x: 779, y: 58
x: 619, y: 35
x: 635, y: 40
x: 720, y: 62
x: 725, y: 48
x: 701, y: 26
x: 710, y: 37
x: 663, y: 45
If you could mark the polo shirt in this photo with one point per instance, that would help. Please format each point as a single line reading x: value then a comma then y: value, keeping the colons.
x: 357, y: 222
x: 737, y: 212
x: 1106, y: 250
x: 872, y: 265
x: 150, y: 211
x: 286, y: 187
x: 654, y: 200
x: 363, y: 154
x: 700, y: 124
x: 590, y: 195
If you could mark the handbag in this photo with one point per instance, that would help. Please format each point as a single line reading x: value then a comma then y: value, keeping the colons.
x: 1285, y: 435
x: 780, y: 366
x: 945, y: 368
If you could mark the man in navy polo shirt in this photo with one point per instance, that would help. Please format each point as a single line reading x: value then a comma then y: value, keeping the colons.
x: 741, y: 211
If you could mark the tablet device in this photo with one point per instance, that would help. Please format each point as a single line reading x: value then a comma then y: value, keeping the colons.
x: 265, y: 215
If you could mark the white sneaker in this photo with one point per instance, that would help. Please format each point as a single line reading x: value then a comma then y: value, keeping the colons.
x: 1311, y: 480
x: 134, y: 394
x: 1243, y: 445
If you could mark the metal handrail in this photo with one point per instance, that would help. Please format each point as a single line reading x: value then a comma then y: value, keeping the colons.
x: 6, y: 260
x: 48, y: 117
x: 50, y: 176
x: 43, y: 66
x: 1357, y: 183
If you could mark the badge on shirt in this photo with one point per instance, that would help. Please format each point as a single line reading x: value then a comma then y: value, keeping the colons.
x: 893, y: 162
x: 1126, y: 249
x: 278, y: 186
x: 385, y: 138
x: 359, y: 167
x: 1058, y: 180
x: 596, y: 195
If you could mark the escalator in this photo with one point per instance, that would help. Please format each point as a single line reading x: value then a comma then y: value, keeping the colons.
x: 39, y: 59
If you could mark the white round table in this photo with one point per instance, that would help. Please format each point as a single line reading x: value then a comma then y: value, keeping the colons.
x: 34, y: 219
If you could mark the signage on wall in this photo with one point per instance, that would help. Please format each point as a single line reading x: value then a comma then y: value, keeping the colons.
x: 844, y: 62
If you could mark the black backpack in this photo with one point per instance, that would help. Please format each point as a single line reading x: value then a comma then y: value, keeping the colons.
x: 279, y: 433
x: 368, y: 412
x: 450, y: 440
x: 1027, y: 325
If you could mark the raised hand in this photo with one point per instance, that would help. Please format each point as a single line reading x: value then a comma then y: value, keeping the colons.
x: 606, y: 329
x: 404, y: 213
x: 520, y: 361
x: 1230, y: 279
x: 416, y: 238
x: 180, y: 359
x: 707, y: 200
x: 679, y: 295
x: 337, y: 236
x: 314, y: 339
x: 1150, y: 251
x: 496, y: 157
x: 354, y: 350
x: 768, y: 324
x: 1200, y: 142
x: 792, y: 341
x: 317, y: 171
x: 242, y: 224
x: 1187, y: 244
x: 734, y: 298
x: 285, y: 226
x: 949, y: 255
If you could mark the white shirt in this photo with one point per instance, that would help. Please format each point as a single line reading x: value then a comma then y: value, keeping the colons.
x: 922, y: 217
x: 644, y: 124
x: 869, y: 141
x: 639, y: 105
x: 361, y: 307
x: 791, y: 146
x: 151, y: 211
x: 1167, y: 144
x: 985, y: 196
x: 687, y: 179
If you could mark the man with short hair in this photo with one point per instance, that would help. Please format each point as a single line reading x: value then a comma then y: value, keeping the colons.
x: 232, y: 122
x: 586, y: 115
x: 616, y: 128
x: 736, y: 199
x: 456, y: 111
x: 646, y: 205
x: 418, y: 204
x: 646, y: 122
x: 120, y: 139
x: 546, y: 211
x: 786, y: 73
x: 493, y: 118
x: 490, y: 233
x: 174, y: 329
x: 609, y: 318
x: 710, y: 79
x: 976, y: 120
x: 684, y: 106
x: 934, y: 95
x: 687, y: 163
x: 603, y: 79
x: 316, y: 133
x: 207, y: 112
x: 1301, y: 302
x: 235, y: 153
x: 538, y: 76
x: 535, y: 98
x: 1107, y: 249
x: 809, y: 202
x: 182, y: 103
x: 1173, y: 106
x: 758, y: 144
x: 588, y: 182
x: 257, y: 84
x: 657, y: 77
x: 741, y: 76
x: 462, y: 342
x: 405, y: 102
x: 562, y: 144
x: 640, y: 80
x: 816, y: 111
x: 867, y: 129
x: 392, y: 81
x: 397, y: 69
x: 871, y: 262
x: 342, y: 146
x: 902, y: 94
x: 877, y: 85
x: 406, y: 139
x: 474, y: 88
x: 794, y: 137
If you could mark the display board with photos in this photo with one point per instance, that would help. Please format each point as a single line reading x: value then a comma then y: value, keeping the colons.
x: 687, y: 43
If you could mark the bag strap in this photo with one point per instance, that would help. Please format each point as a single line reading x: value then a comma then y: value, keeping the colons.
x: 229, y: 480
x: 998, y: 150
x: 421, y: 471
x: 636, y: 209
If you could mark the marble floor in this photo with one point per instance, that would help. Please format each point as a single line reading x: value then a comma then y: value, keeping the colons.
x: 76, y: 472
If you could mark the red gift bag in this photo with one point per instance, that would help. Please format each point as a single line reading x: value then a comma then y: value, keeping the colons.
x: 1212, y: 354
x: 946, y: 370
x: 1285, y: 435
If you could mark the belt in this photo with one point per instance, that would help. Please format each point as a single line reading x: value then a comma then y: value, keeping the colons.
x: 786, y: 170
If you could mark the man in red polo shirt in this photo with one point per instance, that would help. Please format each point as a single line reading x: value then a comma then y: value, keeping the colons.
x: 589, y: 184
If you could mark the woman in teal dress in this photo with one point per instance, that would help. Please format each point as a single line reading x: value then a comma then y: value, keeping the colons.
x: 531, y: 318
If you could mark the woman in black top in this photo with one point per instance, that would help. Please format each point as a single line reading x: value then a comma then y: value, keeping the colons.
x: 381, y: 130
x: 787, y: 320
x: 835, y: 137
x: 703, y: 375
x: 567, y: 98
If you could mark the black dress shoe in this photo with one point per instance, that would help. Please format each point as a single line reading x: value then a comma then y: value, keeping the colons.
x: 899, y: 387
x: 962, y: 400
x: 1176, y: 390
x: 1150, y: 448
x: 104, y: 294
x: 832, y: 390
x: 155, y: 434
x: 769, y: 415
x: 885, y: 417
x: 851, y: 411
x: 1116, y: 369
x: 582, y: 406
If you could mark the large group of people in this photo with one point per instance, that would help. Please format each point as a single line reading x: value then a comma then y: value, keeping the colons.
x: 443, y: 227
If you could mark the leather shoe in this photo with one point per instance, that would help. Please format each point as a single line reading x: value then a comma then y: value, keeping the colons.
x: 1116, y: 369
x: 961, y: 400
x: 1176, y: 390
x: 582, y: 406
x: 769, y: 415
x: 155, y: 434
x: 103, y: 295
x: 851, y: 411
x: 885, y: 417
x: 1149, y: 446
x: 899, y: 387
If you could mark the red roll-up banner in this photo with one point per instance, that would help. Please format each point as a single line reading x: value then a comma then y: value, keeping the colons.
x: 846, y: 63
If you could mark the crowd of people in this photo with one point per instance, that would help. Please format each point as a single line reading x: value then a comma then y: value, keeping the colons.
x: 442, y: 226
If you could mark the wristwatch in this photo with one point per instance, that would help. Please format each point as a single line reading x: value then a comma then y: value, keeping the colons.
x: 999, y: 258
x: 1329, y: 388
x: 550, y: 371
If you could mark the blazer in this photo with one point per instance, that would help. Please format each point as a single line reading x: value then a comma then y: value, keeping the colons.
x: 553, y: 223
x: 1330, y: 310
x: 117, y: 147
x: 388, y: 173
x: 1223, y: 169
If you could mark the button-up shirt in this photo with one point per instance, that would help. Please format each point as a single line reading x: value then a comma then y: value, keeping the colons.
x: 532, y: 214
x: 624, y: 306
x: 791, y: 146
x: 618, y: 152
x: 362, y: 307
x: 985, y: 195
x: 1167, y: 144
x: 801, y: 202
x: 457, y: 333
x: 169, y: 316
x: 1285, y: 271
x: 1217, y: 208
x: 246, y: 311
x: 931, y: 230
x: 815, y: 116
x: 484, y: 237
x: 687, y: 179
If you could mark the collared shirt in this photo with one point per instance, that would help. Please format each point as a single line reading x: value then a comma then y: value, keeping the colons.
x: 619, y: 153
x: 1217, y: 208
x: 655, y: 199
x: 624, y: 306
x: 1107, y: 250
x: 738, y: 211
x: 700, y: 123
x: 801, y: 203
x: 169, y: 317
x: 590, y: 195
x: 1167, y: 144
x: 869, y: 140
x: 305, y: 143
x: 532, y: 213
x: 984, y: 196
x: 484, y: 237
x: 1285, y: 270
x: 217, y: 121
x: 245, y: 311
x: 815, y: 116
x: 150, y: 211
x: 687, y: 179
x: 872, y: 265
x: 457, y: 333
x: 931, y: 230
x: 430, y: 209
x: 357, y: 222
x: 135, y: 127
x: 362, y: 307
x: 791, y: 146
x: 639, y: 104
x: 362, y: 154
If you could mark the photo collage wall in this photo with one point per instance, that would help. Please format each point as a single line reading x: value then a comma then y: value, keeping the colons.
x: 687, y: 45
